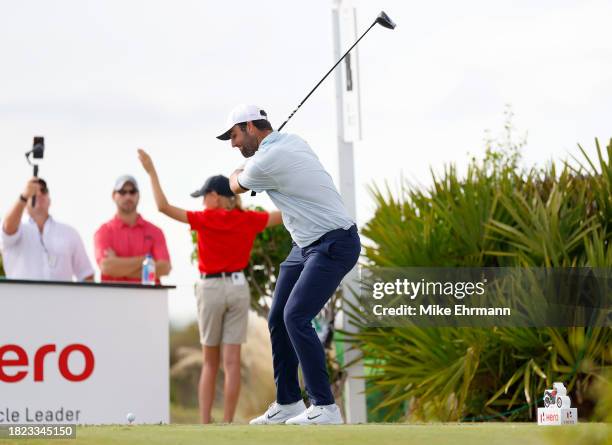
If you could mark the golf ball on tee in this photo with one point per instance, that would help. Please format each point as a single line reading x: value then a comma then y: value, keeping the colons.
x: 130, y: 417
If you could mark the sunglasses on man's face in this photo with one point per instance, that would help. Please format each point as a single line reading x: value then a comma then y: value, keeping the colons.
x: 123, y: 192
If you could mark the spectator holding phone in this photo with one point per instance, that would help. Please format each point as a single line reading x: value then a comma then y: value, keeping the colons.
x: 41, y: 248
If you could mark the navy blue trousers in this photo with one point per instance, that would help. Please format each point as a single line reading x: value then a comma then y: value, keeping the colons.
x: 306, y: 281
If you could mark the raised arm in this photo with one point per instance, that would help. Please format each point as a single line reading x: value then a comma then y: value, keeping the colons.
x: 13, y: 218
x: 160, y: 198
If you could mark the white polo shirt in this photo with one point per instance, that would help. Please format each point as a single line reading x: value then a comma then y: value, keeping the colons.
x: 289, y: 170
x: 56, y: 254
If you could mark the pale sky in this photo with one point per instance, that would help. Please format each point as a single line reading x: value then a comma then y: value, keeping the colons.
x: 100, y: 78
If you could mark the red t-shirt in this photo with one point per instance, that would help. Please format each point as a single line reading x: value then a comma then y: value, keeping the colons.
x: 225, y: 237
x: 127, y: 241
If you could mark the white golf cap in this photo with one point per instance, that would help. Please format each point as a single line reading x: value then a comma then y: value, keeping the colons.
x: 124, y: 179
x: 242, y: 113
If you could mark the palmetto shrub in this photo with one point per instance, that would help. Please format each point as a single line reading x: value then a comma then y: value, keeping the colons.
x: 496, y: 215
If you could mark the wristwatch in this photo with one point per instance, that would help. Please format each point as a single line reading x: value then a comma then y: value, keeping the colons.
x: 23, y: 198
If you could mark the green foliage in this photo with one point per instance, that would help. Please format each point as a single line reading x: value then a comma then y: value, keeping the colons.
x: 497, y: 215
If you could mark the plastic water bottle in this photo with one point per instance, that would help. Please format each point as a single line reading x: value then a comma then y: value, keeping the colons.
x: 148, y: 271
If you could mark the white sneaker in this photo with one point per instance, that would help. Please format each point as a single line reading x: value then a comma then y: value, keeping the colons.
x: 277, y: 413
x: 318, y: 415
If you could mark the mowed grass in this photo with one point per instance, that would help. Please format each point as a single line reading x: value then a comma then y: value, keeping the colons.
x: 374, y: 434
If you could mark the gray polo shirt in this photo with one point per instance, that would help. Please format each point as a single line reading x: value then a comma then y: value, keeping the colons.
x: 286, y: 167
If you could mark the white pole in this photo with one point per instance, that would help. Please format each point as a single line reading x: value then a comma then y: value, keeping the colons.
x: 349, y: 129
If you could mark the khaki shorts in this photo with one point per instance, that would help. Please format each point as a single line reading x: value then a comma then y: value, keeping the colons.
x: 223, y: 311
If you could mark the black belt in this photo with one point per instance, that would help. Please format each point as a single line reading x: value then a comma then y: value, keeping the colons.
x: 218, y: 274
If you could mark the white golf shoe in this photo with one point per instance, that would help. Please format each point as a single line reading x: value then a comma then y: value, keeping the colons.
x: 318, y: 415
x: 277, y: 413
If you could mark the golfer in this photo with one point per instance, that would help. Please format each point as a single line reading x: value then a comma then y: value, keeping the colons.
x: 326, y: 246
x: 225, y: 238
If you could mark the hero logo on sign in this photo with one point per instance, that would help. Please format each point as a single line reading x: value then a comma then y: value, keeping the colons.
x: 549, y: 417
x: 13, y: 360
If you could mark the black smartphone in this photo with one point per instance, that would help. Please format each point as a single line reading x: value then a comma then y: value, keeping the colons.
x: 38, y: 147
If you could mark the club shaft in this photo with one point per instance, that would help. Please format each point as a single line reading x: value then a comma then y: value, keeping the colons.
x: 325, y: 77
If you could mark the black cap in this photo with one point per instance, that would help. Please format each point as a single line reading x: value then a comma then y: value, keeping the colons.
x: 219, y: 184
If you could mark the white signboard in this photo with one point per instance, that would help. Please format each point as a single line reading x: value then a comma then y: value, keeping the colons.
x: 83, y: 354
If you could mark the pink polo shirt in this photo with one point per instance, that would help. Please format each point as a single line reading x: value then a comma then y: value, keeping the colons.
x: 127, y: 241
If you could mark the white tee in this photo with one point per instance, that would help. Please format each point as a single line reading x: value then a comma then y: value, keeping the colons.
x: 56, y: 254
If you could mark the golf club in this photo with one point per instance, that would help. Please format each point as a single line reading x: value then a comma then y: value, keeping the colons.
x: 383, y: 20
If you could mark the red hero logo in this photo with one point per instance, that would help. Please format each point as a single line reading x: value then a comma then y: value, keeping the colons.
x: 17, y: 374
x: 550, y: 417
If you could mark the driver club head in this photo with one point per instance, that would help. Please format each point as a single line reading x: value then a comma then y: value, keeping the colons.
x: 384, y: 20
